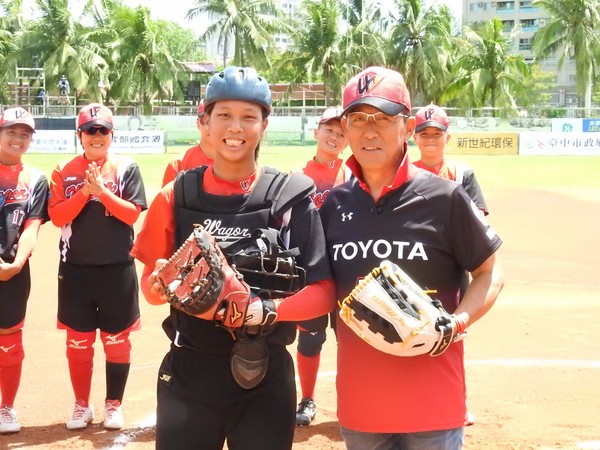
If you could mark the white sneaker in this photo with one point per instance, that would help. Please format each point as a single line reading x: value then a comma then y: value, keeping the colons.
x: 8, y: 420
x: 113, y: 416
x: 82, y: 416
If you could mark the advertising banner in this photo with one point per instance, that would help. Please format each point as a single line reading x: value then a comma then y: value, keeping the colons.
x: 545, y: 143
x: 483, y: 143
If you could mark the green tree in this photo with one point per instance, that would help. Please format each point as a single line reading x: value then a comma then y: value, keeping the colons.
x: 362, y: 44
x: 419, y: 47
x: 487, y: 72
x: 12, y: 27
x: 63, y: 45
x: 314, y: 53
x: 572, y: 33
x: 144, y: 68
x: 250, y: 24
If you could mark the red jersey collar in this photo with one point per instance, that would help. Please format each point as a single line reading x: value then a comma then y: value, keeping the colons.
x: 218, y: 186
x: 404, y: 173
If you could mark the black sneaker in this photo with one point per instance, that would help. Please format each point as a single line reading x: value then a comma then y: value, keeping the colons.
x: 307, y: 409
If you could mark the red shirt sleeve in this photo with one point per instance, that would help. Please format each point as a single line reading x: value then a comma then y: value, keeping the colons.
x: 156, y: 239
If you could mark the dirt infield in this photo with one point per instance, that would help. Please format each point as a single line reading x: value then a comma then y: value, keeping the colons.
x: 533, y: 362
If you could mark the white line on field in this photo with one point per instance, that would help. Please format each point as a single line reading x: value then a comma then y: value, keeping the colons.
x: 589, y: 445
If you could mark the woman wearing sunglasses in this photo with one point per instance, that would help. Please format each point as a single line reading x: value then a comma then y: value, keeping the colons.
x: 95, y: 199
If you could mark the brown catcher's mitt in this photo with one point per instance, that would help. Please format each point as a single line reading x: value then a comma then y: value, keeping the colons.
x: 198, y: 281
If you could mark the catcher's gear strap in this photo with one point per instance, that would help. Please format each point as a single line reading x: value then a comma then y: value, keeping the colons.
x: 279, y: 190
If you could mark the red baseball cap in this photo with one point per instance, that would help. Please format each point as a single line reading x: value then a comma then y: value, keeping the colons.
x: 379, y: 87
x: 431, y: 116
x: 94, y: 114
x: 15, y: 116
x: 330, y: 114
x: 201, y: 108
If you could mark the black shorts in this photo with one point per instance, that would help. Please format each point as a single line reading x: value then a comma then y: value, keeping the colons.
x: 98, y: 297
x: 14, y: 294
x: 200, y: 405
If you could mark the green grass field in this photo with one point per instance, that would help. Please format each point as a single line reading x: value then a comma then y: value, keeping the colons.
x: 491, y: 171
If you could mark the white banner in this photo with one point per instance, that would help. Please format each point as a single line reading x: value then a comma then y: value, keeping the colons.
x: 52, y: 141
x: 567, y: 125
x: 142, y: 141
x: 547, y: 143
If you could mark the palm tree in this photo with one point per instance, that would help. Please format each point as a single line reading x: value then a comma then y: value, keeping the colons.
x: 12, y: 26
x: 63, y: 45
x: 315, y: 49
x: 487, y: 72
x: 362, y: 44
x: 419, y: 47
x: 573, y: 32
x: 145, y: 69
x: 251, y: 24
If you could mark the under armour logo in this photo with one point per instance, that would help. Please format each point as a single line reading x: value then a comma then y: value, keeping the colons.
x: 367, y: 83
x: 6, y: 349
x: 347, y: 216
x: 165, y: 377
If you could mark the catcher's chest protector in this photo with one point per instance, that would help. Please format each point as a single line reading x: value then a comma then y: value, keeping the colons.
x: 237, y: 222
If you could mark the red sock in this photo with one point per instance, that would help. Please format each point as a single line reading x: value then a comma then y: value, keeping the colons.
x: 11, y: 365
x: 10, y: 379
x: 308, y: 367
x: 81, y: 379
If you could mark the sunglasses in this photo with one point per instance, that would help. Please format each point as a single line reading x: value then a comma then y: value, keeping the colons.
x: 92, y: 131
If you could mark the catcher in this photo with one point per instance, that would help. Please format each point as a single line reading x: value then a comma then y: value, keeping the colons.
x: 400, y: 366
x: 236, y: 285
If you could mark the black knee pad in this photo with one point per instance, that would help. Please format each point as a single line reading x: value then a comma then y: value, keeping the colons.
x: 311, y: 343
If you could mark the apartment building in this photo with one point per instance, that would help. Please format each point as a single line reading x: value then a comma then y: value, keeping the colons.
x: 525, y: 19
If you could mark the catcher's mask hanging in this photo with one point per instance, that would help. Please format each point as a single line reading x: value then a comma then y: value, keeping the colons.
x: 268, y: 268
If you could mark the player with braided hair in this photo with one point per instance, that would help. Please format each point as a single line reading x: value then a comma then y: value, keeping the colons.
x: 228, y: 377
x: 394, y: 235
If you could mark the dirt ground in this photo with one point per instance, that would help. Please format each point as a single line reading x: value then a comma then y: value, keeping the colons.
x: 533, y: 362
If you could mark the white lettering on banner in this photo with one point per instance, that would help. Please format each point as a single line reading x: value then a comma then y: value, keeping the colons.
x: 381, y: 249
x: 215, y: 229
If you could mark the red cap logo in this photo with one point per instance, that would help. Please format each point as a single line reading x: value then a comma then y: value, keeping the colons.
x: 431, y: 116
x: 94, y: 114
x: 379, y: 87
x: 15, y: 116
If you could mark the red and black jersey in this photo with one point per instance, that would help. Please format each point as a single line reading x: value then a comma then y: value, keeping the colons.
x: 23, y: 195
x: 463, y: 175
x: 192, y: 158
x: 326, y: 177
x: 432, y: 230
x: 95, y: 237
x: 228, y: 218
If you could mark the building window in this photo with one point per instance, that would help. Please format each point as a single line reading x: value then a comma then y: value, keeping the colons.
x: 529, y: 24
x: 525, y: 43
x: 505, y: 6
x: 508, y: 25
